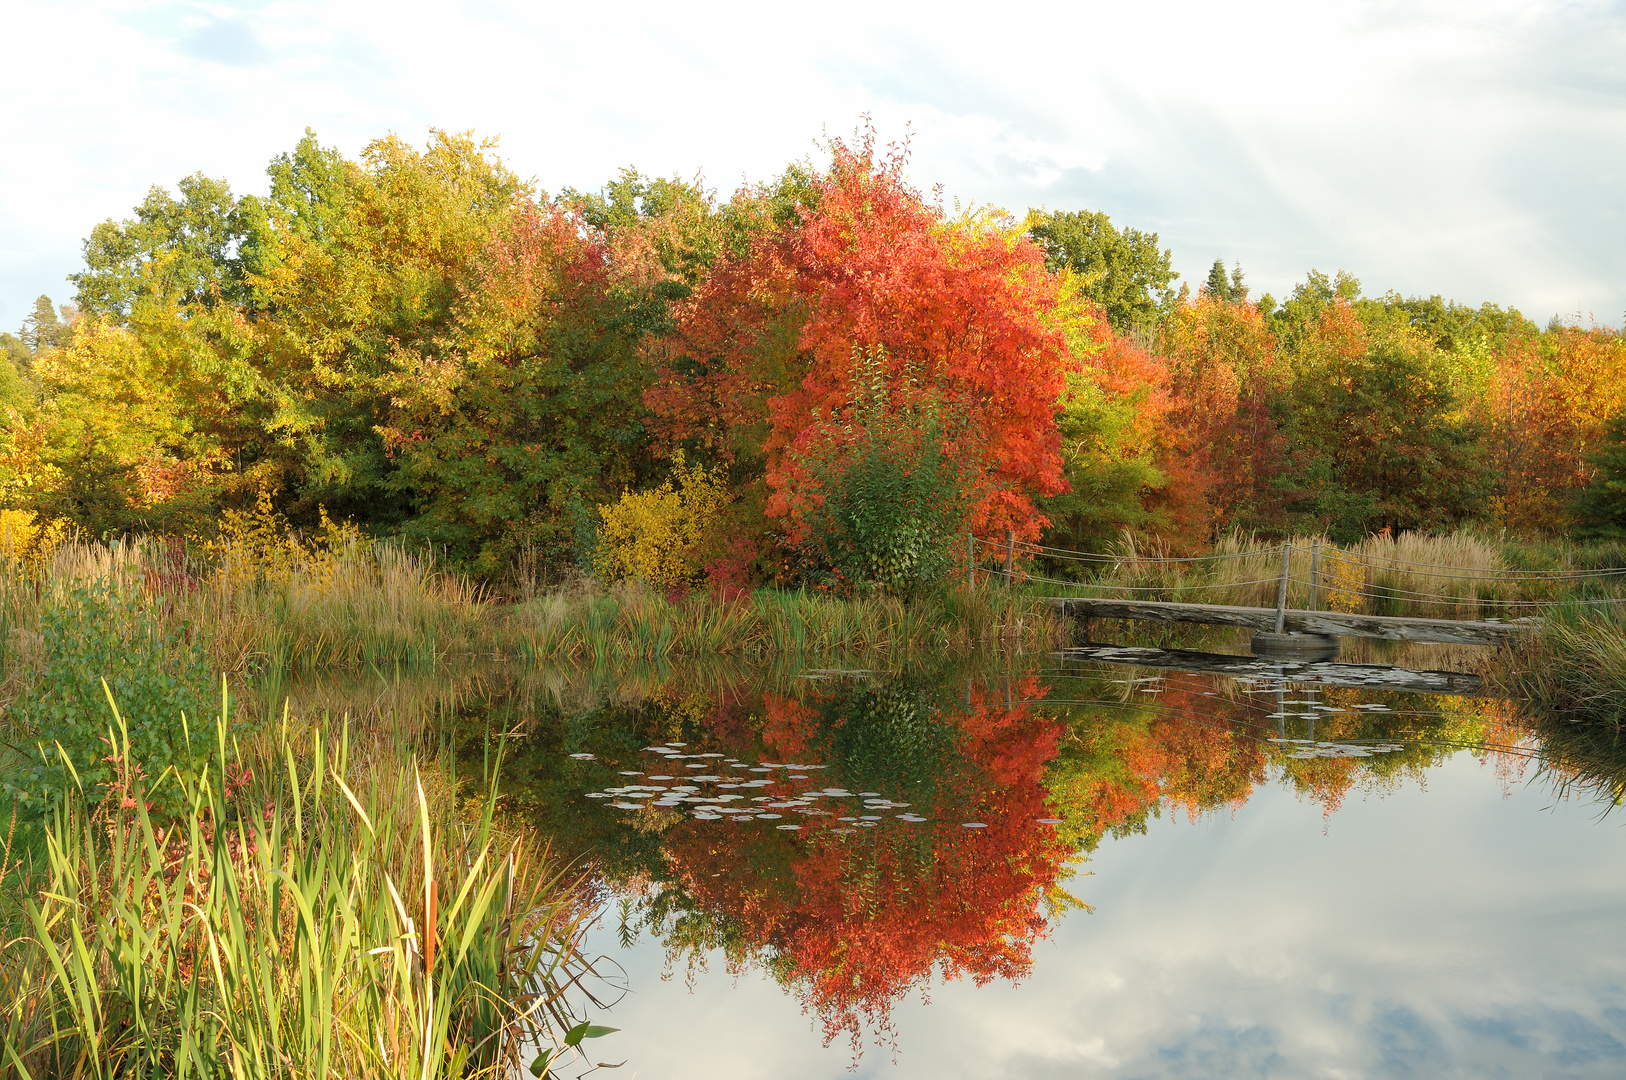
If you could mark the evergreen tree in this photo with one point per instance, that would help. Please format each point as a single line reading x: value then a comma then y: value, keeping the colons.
x: 44, y: 329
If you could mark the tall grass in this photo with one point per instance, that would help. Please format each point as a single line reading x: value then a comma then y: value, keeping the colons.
x: 1454, y: 576
x: 352, y: 603
x: 1575, y: 668
x: 585, y: 622
x: 321, y: 917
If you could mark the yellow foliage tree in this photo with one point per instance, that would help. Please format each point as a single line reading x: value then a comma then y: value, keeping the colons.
x: 655, y: 535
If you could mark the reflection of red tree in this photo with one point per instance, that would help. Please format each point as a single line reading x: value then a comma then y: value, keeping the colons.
x: 857, y: 921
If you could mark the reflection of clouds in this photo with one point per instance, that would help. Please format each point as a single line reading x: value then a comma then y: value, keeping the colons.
x: 1437, y: 933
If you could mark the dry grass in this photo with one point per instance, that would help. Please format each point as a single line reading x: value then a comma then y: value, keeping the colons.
x: 585, y: 622
x: 1455, y: 576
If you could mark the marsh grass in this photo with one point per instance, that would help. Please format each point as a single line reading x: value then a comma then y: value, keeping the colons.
x: 320, y: 916
x: 1575, y: 668
x: 587, y: 623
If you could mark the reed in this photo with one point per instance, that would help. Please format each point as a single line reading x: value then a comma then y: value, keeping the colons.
x: 1574, y: 670
x: 322, y: 916
x: 585, y: 622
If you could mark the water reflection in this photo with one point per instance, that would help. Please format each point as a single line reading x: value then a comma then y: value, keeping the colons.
x: 859, y: 836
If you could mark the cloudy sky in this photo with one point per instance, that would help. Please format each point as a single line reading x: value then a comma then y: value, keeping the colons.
x: 1476, y: 150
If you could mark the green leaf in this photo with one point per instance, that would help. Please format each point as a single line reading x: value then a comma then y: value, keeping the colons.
x: 539, y: 1067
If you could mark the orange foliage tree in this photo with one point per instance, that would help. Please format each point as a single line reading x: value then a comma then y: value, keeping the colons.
x: 763, y: 356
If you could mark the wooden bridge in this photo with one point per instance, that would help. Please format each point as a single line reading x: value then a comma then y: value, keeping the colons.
x: 1290, y: 621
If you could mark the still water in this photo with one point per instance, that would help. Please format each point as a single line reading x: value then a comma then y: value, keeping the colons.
x: 1121, y: 863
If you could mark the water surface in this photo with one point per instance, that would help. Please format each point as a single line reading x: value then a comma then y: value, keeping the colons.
x: 1116, y: 865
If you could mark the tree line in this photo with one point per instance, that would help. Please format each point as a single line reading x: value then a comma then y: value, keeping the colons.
x: 423, y: 343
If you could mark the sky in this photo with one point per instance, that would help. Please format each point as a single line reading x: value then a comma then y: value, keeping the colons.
x: 1475, y: 150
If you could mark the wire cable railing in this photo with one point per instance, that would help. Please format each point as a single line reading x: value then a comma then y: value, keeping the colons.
x: 1376, y: 582
x: 1375, y: 562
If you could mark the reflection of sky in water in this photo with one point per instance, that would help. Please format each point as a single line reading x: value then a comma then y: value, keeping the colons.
x: 1431, y: 933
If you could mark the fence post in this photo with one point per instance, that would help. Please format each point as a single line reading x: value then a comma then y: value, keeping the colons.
x: 1010, y: 556
x: 1281, y: 591
x: 1315, y: 572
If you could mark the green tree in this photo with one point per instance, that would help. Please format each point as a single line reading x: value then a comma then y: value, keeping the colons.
x: 1378, y: 432
x: 1123, y: 270
x: 45, y: 328
x: 173, y: 248
x: 1601, y: 507
x: 15, y: 352
x: 1222, y: 286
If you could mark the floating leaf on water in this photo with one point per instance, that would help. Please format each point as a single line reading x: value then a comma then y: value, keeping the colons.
x: 770, y: 817
x: 707, y: 817
x: 869, y: 794
x: 743, y: 817
x: 711, y: 755
x: 798, y: 778
x: 660, y: 777
x: 787, y: 827
x: 628, y: 805
x: 699, y: 766
x: 973, y: 825
x: 582, y: 757
x: 866, y: 824
x: 705, y: 778
x: 632, y: 774
x: 670, y: 743
x: 847, y: 819
x: 1049, y: 821
x: 597, y: 795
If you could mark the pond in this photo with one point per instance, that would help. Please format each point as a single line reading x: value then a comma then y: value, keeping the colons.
x: 1121, y: 862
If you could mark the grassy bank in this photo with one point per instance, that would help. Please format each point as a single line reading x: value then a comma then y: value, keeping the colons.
x: 312, y: 911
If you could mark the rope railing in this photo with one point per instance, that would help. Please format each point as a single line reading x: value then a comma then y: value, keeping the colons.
x: 1334, y: 584
x: 1375, y: 562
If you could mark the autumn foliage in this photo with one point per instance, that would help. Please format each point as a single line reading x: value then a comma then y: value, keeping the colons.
x: 767, y: 344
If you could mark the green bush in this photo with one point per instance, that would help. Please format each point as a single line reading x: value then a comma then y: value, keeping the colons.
x: 161, y: 681
x: 887, y: 490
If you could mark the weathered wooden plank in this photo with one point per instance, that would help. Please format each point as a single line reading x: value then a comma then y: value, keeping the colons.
x: 1389, y: 627
x: 1325, y: 672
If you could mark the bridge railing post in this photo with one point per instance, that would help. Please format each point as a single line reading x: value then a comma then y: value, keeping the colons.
x: 1315, y: 573
x: 1281, y: 591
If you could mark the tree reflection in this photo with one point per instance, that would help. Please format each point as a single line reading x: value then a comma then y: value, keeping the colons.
x: 853, y: 916
x: 853, y: 919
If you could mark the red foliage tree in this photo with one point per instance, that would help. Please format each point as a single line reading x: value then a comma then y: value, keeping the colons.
x: 765, y: 349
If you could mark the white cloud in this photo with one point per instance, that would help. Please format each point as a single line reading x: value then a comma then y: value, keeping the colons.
x: 1470, y: 149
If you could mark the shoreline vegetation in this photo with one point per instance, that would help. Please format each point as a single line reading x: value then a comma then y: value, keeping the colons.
x: 186, y: 861
x: 412, y: 933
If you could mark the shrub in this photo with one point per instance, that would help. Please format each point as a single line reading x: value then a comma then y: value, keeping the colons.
x: 160, y: 679
x: 887, y: 491
x: 655, y: 535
